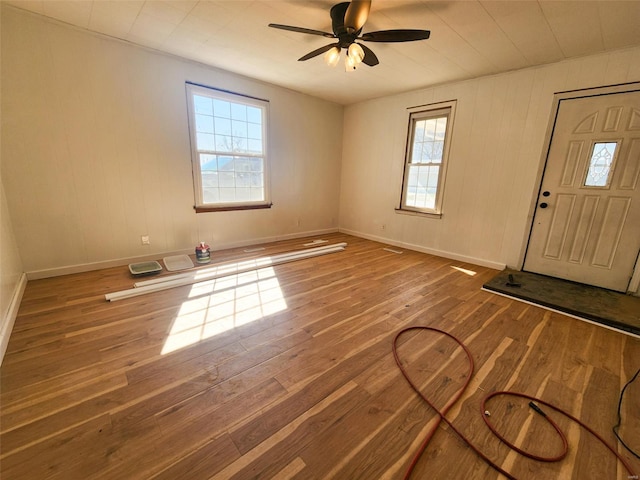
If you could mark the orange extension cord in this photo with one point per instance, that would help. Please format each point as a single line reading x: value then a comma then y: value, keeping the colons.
x: 442, y: 414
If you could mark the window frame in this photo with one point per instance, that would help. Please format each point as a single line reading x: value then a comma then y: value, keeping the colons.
x: 415, y: 114
x: 200, y: 205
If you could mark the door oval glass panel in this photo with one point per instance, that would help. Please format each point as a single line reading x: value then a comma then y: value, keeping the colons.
x: 600, y: 164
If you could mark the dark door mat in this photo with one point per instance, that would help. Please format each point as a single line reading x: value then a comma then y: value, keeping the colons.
x: 610, y: 308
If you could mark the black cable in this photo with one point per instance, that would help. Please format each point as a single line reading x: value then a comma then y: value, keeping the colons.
x: 617, y: 426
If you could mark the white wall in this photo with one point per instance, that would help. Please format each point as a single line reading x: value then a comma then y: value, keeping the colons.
x: 95, y: 151
x: 495, y: 159
x: 12, y: 279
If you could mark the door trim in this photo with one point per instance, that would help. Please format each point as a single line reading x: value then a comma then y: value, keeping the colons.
x: 634, y: 284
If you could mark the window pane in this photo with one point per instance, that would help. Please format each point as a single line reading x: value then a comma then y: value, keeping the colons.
x: 432, y: 179
x: 227, y: 180
x: 204, y: 141
x: 600, y: 164
x: 257, y: 165
x: 257, y: 194
x: 428, y: 140
x: 222, y: 174
x: 243, y: 164
x: 203, y: 104
x: 204, y: 123
x: 226, y: 164
x: 228, y: 194
x: 243, y: 194
x: 238, y: 129
x: 419, y: 131
x: 427, y: 149
x: 441, y: 128
x: 239, y: 112
x: 210, y: 195
x: 221, y: 108
x: 254, y: 146
x: 416, y: 156
x: 430, y: 129
x: 243, y: 179
x: 223, y: 126
x: 421, y: 194
x: 254, y: 115
x: 256, y: 180
x: 254, y: 131
x: 208, y: 162
x: 224, y: 143
x: 210, y: 180
x: 438, y: 147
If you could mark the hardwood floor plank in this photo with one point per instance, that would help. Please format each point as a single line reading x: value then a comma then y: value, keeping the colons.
x: 55, y: 455
x: 26, y: 412
x: 203, y: 462
x: 251, y: 434
x: 281, y: 448
x: 596, y: 413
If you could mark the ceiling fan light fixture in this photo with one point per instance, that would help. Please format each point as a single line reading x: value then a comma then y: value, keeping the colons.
x: 332, y: 57
x: 356, y: 53
x: 349, y: 63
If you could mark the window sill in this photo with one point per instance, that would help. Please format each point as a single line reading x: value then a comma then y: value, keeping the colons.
x: 231, y: 208
x: 415, y: 213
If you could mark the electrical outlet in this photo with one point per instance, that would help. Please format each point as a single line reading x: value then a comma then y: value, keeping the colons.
x: 298, y: 222
x: 383, y: 227
x: 145, y: 240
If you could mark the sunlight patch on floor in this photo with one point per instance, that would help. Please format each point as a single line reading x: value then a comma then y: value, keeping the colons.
x: 471, y: 273
x: 219, y: 305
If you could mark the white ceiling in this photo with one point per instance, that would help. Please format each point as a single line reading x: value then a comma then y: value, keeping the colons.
x: 469, y: 38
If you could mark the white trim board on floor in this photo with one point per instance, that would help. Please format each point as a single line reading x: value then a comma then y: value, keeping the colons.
x: 214, y: 272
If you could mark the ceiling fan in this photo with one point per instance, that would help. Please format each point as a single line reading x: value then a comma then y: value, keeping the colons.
x: 347, y: 21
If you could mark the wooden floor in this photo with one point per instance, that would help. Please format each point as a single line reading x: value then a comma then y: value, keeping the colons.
x: 289, y: 373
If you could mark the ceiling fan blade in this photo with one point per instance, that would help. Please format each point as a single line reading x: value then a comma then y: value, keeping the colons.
x: 317, y: 52
x: 337, y: 13
x: 356, y: 15
x: 369, y: 57
x: 395, y: 36
x: 302, y: 30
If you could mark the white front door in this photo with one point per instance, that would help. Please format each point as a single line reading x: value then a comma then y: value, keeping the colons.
x: 587, y: 221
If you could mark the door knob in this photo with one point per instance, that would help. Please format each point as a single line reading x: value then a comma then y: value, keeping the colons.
x: 544, y: 205
x: 546, y: 194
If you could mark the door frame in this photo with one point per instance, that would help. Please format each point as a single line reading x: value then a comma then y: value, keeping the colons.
x: 634, y: 284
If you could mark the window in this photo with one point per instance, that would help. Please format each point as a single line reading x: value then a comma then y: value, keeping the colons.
x: 600, y: 163
x: 228, y: 149
x: 426, y: 158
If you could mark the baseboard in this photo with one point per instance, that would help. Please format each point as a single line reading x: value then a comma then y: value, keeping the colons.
x: 12, y: 313
x: 431, y: 251
x: 87, y: 267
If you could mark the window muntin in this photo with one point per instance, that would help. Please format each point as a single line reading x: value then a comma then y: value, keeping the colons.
x: 229, y: 152
x: 426, y: 158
